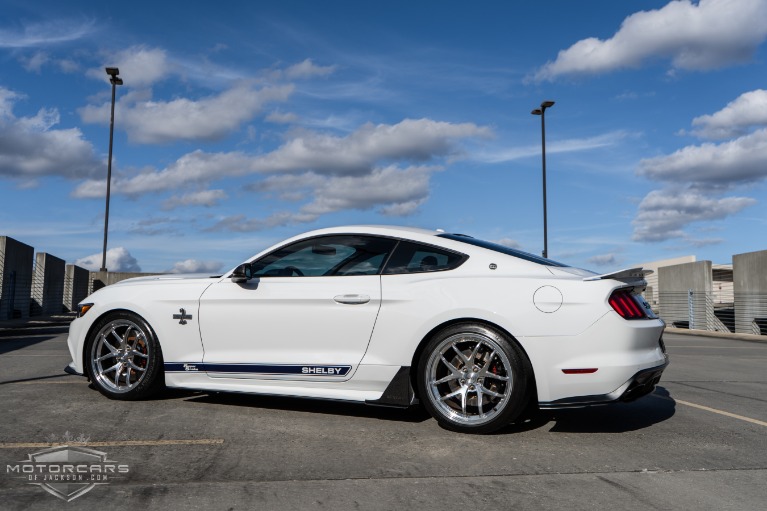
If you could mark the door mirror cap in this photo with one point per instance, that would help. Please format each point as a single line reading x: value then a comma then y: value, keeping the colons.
x: 242, y: 273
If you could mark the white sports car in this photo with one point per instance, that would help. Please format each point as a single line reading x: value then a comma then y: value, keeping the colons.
x: 381, y: 315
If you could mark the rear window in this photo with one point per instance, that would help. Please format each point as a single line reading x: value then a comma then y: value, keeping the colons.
x: 502, y: 249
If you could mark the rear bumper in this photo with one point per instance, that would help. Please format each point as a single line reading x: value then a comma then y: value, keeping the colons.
x: 641, y: 384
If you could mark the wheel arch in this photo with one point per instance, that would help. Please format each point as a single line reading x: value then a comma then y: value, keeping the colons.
x: 422, y: 345
x: 94, y: 325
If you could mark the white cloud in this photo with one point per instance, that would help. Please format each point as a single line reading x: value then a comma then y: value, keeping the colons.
x: 559, y: 146
x: 307, y: 69
x: 698, y: 174
x: 394, y: 191
x: 68, y: 65
x: 209, y: 118
x: 508, y: 242
x: 709, y: 34
x: 356, y: 153
x: 747, y: 111
x: 139, y: 66
x: 30, y: 147
x: 663, y: 214
x: 47, y: 33
x: 360, y: 153
x: 399, y: 191
x: 118, y: 259
x: 206, y: 198
x: 282, y: 117
x: 741, y: 160
x: 239, y: 223
x: 195, y: 266
x: 7, y: 99
x: 604, y: 260
x: 192, y: 168
x: 35, y: 63
x: 370, y: 168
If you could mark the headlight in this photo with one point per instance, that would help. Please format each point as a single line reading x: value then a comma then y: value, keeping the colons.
x: 82, y: 308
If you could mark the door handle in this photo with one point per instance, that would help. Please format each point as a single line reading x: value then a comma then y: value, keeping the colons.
x: 352, y: 299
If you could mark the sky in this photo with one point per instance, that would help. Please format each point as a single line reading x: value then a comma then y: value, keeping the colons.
x: 240, y: 124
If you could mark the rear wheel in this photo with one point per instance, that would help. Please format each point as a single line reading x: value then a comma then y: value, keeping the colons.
x: 124, y: 360
x: 471, y: 378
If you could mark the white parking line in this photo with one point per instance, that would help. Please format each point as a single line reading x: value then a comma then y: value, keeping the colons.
x: 116, y: 443
x: 79, y: 380
x: 716, y: 347
x: 48, y: 355
x: 713, y: 410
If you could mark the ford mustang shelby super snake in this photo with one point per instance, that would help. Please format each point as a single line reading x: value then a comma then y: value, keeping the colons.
x: 475, y: 331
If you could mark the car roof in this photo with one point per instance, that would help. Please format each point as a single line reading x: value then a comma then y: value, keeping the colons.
x: 385, y: 230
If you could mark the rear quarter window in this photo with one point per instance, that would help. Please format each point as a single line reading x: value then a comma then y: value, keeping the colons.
x: 410, y: 257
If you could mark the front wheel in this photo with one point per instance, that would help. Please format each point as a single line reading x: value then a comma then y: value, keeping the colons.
x: 472, y: 378
x: 123, y: 357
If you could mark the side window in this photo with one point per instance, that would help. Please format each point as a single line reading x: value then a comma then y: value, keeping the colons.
x: 327, y: 255
x: 418, y: 258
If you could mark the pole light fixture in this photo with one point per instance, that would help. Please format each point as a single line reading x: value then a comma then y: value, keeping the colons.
x: 115, y: 81
x: 542, y: 112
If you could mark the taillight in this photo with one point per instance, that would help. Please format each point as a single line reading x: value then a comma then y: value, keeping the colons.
x: 623, y: 302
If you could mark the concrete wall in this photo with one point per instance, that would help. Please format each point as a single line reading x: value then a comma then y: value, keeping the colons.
x: 750, y: 284
x: 651, y: 293
x: 677, y: 305
x: 76, y: 282
x: 15, y: 278
x: 48, y: 285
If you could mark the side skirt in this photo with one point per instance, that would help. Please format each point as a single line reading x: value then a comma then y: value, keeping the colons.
x: 399, y: 393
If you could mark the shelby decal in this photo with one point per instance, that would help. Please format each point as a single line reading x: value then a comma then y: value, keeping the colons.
x: 264, y: 369
x: 326, y: 371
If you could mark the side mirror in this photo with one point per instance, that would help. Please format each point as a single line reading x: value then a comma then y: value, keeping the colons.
x: 242, y: 273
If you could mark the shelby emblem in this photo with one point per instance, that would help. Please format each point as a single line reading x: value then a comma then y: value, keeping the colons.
x: 182, y: 317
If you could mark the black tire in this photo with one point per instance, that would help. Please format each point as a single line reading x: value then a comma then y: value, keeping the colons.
x: 472, y: 378
x: 123, y: 358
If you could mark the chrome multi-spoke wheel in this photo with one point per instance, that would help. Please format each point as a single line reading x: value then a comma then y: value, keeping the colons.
x: 471, y: 379
x: 120, y: 355
x: 124, y: 358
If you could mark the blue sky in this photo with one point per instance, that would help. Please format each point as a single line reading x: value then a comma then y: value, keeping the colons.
x: 242, y: 123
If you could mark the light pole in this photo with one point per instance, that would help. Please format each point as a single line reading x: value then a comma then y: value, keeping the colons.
x: 542, y: 112
x: 115, y: 81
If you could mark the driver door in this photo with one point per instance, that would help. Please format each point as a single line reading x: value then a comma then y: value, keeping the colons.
x: 307, y: 313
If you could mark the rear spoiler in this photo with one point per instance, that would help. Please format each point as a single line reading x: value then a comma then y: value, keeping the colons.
x: 628, y: 275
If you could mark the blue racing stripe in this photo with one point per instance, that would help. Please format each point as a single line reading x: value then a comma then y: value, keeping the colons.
x: 269, y: 369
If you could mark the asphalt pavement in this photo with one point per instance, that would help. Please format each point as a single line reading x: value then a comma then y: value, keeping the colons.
x: 696, y: 443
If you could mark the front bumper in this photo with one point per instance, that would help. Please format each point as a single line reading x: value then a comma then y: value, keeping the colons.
x: 641, y: 384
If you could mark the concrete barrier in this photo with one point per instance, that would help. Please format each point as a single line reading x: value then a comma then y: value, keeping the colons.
x: 76, y: 286
x: 47, y: 285
x: 750, y: 283
x: 16, y: 260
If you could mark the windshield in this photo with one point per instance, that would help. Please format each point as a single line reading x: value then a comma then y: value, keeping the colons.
x: 502, y: 249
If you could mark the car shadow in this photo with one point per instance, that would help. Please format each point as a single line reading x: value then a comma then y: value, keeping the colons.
x: 320, y: 406
x: 14, y: 343
x: 614, y: 418
x: 39, y: 378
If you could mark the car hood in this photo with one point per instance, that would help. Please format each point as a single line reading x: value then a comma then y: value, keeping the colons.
x: 168, y: 278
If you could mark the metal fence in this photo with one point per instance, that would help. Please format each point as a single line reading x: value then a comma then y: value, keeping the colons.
x: 697, y: 310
